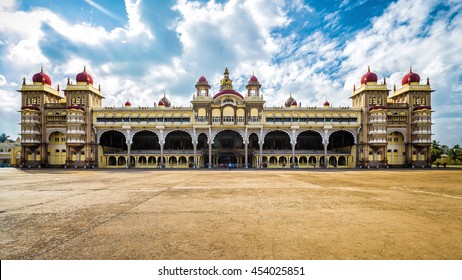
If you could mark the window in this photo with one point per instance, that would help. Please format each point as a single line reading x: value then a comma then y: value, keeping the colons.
x: 215, y: 119
x: 228, y: 118
x: 240, y: 119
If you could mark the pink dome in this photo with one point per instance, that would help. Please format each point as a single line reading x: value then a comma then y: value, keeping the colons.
x: 202, y: 79
x: 326, y: 104
x: 228, y: 91
x: 128, y: 104
x: 84, y: 77
x: 253, y: 79
x: 369, y: 77
x: 410, y: 77
x: 41, y: 77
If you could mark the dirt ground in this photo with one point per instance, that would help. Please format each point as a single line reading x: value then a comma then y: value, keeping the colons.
x: 230, y: 214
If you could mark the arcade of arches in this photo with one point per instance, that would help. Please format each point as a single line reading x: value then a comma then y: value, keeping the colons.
x: 178, y: 149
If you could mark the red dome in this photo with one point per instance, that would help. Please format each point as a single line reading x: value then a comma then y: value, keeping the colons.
x: 84, y: 77
x: 253, y: 79
x: 369, y: 77
x: 294, y: 103
x: 326, y: 104
x: 41, y: 77
x: 127, y: 104
x: 228, y: 91
x: 202, y: 79
x: 410, y: 77
x: 161, y: 103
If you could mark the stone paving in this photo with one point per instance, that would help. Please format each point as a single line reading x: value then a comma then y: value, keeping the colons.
x: 230, y: 214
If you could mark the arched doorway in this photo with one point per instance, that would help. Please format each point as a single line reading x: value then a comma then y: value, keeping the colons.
x: 396, y: 149
x: 178, y: 140
x: 113, y: 142
x: 145, y: 140
x: 57, y: 148
x: 309, y: 141
x: 277, y: 140
x: 228, y: 148
x: 341, y: 142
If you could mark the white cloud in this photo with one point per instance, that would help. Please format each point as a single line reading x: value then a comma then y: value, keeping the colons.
x: 2, y: 80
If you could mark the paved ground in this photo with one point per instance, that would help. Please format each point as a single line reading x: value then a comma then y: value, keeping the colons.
x: 270, y: 214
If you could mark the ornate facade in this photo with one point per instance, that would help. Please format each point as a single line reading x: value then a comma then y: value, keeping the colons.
x: 225, y: 129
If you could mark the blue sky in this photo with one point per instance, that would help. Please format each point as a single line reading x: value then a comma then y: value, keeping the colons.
x: 316, y: 50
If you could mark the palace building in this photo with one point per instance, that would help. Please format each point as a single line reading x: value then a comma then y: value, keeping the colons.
x: 72, y: 128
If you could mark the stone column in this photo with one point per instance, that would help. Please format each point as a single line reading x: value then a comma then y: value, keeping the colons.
x: 129, y: 145
x: 261, y: 153
x: 293, y: 154
x: 326, y: 161
x: 195, y: 155
x: 246, y: 144
x: 210, y: 154
x: 161, y: 154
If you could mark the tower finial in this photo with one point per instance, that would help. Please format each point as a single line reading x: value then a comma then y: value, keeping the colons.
x: 290, y: 94
x: 368, y: 69
x: 428, y: 81
x: 41, y: 69
x: 394, y: 87
x: 410, y: 69
x: 68, y: 81
x: 384, y: 80
x: 84, y: 68
x: 24, y: 80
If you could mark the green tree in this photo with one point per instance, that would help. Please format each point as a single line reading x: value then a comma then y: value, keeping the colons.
x: 4, y: 137
x: 455, y: 153
x: 436, y: 150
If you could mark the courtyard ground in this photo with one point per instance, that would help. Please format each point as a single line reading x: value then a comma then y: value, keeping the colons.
x: 230, y: 214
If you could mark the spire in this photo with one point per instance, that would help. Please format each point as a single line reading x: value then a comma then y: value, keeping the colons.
x: 394, y: 87
x: 410, y: 69
x: 24, y: 80
x: 354, y: 87
x: 428, y: 81
x: 68, y: 81
x: 41, y: 69
x: 84, y: 68
x: 368, y: 69
x: 58, y: 88
x: 384, y: 80
x: 290, y: 94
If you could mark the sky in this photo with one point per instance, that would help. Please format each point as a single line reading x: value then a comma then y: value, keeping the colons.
x: 315, y: 50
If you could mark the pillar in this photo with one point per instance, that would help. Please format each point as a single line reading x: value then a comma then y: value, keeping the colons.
x: 129, y: 145
x: 161, y: 154
x: 326, y: 161
x: 261, y: 153
x: 195, y: 155
x: 246, y: 144
x: 293, y: 155
x: 210, y: 154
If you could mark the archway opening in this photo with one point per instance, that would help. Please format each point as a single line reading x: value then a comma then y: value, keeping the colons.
x: 145, y: 140
x: 113, y: 142
x: 57, y: 148
x: 396, y: 149
x: 277, y: 140
x: 341, y: 142
x: 309, y: 141
x: 178, y: 140
x: 228, y: 148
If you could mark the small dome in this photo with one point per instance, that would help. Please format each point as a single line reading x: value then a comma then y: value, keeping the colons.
x: 410, y: 77
x: 326, y: 104
x: 202, y: 80
x: 369, y: 77
x: 289, y: 101
x: 128, y: 104
x: 84, y: 77
x: 42, y: 78
x: 253, y: 80
x: 164, y: 102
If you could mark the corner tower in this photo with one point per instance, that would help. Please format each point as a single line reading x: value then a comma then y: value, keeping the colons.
x: 371, y: 97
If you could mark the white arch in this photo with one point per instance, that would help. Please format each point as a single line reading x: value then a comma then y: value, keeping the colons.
x: 51, y: 130
x: 276, y: 129
x: 346, y: 130
x: 215, y: 133
x: 167, y: 132
x: 309, y: 129
x: 400, y: 130
x: 101, y: 132
x: 132, y: 134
